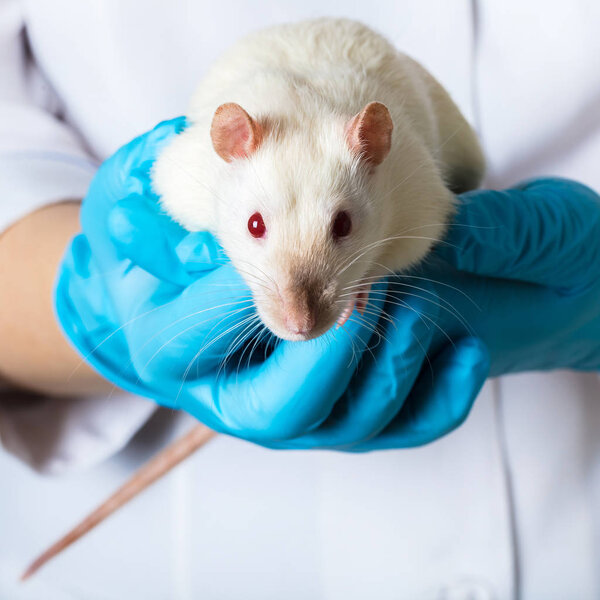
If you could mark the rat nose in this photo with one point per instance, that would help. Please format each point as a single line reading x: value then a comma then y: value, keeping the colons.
x: 300, y: 322
x: 300, y: 310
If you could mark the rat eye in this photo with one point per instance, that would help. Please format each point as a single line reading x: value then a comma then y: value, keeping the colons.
x: 256, y: 225
x: 342, y: 224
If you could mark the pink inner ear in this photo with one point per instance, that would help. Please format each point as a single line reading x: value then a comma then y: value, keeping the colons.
x: 234, y: 133
x: 369, y: 133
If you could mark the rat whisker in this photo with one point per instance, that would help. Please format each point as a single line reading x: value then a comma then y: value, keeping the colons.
x: 87, y: 356
x: 257, y: 267
x: 379, y: 243
x: 352, y: 345
x: 441, y: 300
x: 434, y: 281
x: 399, y: 302
x: 228, y: 351
x: 205, y: 347
x: 365, y: 322
x: 236, y: 343
x: 228, y: 330
x: 456, y: 313
x: 444, y: 284
x: 271, y: 340
x: 424, y: 317
x: 258, y: 339
x: 450, y: 309
x: 186, y: 330
x: 246, y: 344
x: 228, y: 314
x: 406, y: 276
x: 382, y: 313
x: 255, y: 278
x: 401, y: 233
x: 415, y: 228
x: 241, y: 339
x: 372, y: 330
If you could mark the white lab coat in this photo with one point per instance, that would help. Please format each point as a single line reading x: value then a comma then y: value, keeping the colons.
x: 511, y: 499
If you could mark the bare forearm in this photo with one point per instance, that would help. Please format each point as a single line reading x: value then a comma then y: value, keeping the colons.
x: 33, y: 352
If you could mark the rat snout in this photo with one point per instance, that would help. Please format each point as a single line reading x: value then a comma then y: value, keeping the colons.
x: 301, y: 310
x: 305, y: 307
x: 300, y: 317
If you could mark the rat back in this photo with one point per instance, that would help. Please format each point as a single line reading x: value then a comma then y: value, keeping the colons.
x: 303, y: 75
x: 338, y: 66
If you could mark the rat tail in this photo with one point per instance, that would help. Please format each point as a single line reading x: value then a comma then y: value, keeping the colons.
x: 154, y: 469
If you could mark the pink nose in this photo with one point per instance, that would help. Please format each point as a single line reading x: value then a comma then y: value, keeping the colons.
x: 300, y: 322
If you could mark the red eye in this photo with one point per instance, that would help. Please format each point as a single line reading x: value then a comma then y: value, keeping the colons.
x: 256, y: 225
x: 342, y: 224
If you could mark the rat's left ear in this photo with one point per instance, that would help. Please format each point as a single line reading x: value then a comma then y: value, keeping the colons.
x: 369, y: 133
x: 234, y: 133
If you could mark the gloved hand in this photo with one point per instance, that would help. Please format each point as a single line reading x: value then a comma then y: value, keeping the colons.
x: 155, y: 309
x: 520, y: 270
x: 530, y: 258
x: 137, y: 291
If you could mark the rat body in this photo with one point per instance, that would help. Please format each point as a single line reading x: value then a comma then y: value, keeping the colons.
x: 325, y: 155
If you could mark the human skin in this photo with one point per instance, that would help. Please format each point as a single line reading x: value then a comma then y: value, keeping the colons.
x: 34, y: 354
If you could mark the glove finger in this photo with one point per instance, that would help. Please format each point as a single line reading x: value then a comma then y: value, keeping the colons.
x: 294, y: 390
x: 125, y: 173
x: 534, y: 233
x: 132, y: 162
x: 159, y: 245
x: 439, y: 405
x: 386, y: 375
x: 147, y: 239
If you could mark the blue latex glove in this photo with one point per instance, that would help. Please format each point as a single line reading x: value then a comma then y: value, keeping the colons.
x: 134, y: 281
x: 530, y: 258
x: 155, y: 308
x: 520, y: 269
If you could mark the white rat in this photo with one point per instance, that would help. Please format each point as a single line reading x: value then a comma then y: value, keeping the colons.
x: 325, y: 155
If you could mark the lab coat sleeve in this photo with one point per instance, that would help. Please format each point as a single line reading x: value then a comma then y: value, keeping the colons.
x: 42, y: 160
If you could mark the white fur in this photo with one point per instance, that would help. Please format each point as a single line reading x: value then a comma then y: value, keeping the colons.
x: 307, y: 79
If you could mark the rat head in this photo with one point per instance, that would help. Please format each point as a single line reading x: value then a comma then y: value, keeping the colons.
x: 296, y: 213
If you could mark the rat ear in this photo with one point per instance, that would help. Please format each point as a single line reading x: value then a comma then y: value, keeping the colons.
x: 234, y: 133
x: 369, y: 133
